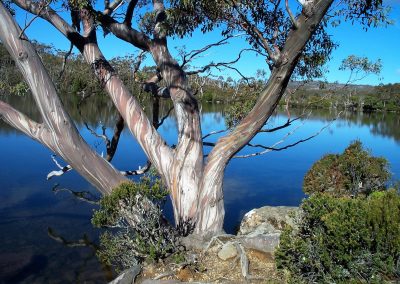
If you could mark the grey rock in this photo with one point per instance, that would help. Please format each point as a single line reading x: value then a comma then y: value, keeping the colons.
x: 128, y: 276
x: 262, y: 242
x: 227, y: 251
x: 267, y: 219
x: 261, y: 228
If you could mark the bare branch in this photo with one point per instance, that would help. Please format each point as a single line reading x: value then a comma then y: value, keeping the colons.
x: 215, y: 132
x: 192, y: 54
x: 110, y: 8
x: 292, y: 18
x: 112, y: 146
x: 140, y: 171
x: 164, y: 118
x: 224, y: 65
x: 62, y: 170
x: 274, y: 148
x: 41, y: 7
x: 129, y: 12
x: 65, y: 61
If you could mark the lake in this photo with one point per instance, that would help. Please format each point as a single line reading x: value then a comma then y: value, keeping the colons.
x: 29, y: 207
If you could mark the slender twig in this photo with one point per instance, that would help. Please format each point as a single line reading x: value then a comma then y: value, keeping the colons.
x: 273, y: 147
x: 192, y: 54
x: 164, y: 118
x: 224, y: 65
x: 32, y: 20
x: 65, y: 61
x: 215, y: 132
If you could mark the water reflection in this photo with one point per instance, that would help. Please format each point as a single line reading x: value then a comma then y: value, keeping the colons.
x: 28, y: 206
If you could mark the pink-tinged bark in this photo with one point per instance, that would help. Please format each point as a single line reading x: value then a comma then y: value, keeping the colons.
x: 211, y: 194
x: 196, y: 188
x: 57, y: 131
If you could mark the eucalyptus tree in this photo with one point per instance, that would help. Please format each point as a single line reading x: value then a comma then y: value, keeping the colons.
x: 292, y: 38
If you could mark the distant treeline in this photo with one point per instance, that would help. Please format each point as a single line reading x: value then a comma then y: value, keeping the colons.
x: 77, y: 80
x: 352, y: 97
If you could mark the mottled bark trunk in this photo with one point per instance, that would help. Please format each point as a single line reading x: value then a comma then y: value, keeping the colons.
x: 57, y: 131
x: 187, y: 166
x: 195, y: 187
x: 211, y: 208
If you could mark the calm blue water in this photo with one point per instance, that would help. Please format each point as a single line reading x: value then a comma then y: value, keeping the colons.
x: 28, y: 207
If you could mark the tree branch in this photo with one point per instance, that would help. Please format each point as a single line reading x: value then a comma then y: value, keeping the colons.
x: 273, y: 147
x: 24, y: 124
x: 129, y: 12
x: 63, y: 134
x: 292, y: 18
x: 252, y: 29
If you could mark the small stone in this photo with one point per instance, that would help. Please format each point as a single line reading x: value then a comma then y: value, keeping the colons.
x: 227, y: 251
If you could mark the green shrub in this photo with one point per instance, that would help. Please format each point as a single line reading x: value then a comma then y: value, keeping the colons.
x: 343, y: 240
x: 136, y: 229
x: 349, y: 174
x: 237, y: 111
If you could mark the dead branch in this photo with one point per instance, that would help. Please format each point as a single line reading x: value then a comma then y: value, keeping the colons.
x: 215, y: 132
x: 186, y: 58
x: 41, y: 7
x: 273, y: 147
x: 65, y: 61
x: 62, y: 170
x: 140, y: 171
x: 220, y: 65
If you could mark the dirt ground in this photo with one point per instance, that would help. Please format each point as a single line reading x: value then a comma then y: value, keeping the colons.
x: 207, y: 267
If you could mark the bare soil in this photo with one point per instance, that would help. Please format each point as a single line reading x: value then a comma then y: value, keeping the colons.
x: 207, y: 267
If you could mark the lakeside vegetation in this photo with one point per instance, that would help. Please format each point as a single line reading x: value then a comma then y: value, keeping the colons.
x: 348, y: 230
x: 76, y: 79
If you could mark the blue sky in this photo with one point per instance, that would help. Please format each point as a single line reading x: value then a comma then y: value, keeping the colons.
x: 376, y: 43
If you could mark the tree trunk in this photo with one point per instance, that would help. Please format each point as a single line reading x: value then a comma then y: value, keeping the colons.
x: 196, y: 188
x: 57, y: 131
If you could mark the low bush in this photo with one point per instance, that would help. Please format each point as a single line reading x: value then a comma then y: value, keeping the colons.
x: 351, y: 173
x: 343, y: 240
x: 135, y: 227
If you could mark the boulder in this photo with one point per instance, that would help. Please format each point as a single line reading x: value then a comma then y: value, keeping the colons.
x: 267, y: 219
x: 227, y: 251
x: 261, y: 228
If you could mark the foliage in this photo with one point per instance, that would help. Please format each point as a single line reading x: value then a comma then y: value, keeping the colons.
x: 136, y: 229
x: 237, y: 111
x: 358, y: 64
x: 343, y: 240
x: 349, y: 174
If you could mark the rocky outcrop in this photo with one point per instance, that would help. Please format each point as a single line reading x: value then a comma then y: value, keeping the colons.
x: 267, y: 220
x: 261, y: 228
